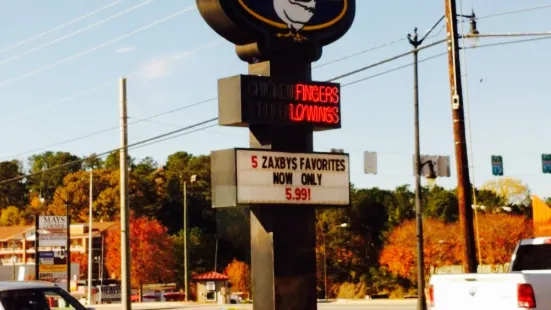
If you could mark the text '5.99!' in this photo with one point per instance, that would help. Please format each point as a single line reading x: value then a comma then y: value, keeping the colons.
x: 298, y: 193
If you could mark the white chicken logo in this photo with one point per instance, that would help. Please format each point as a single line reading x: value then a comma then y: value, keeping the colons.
x: 295, y: 14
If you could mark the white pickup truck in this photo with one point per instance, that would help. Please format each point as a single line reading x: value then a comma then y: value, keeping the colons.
x: 527, y: 285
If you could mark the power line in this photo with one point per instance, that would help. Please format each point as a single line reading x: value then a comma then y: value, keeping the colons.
x: 88, y: 51
x: 137, y: 72
x: 7, y: 48
x: 32, y: 50
x: 541, y: 7
x: 108, y: 129
x: 341, y: 76
x: 507, y: 42
x: 391, y: 70
x: 370, y: 50
x: 106, y: 153
x: 384, y: 61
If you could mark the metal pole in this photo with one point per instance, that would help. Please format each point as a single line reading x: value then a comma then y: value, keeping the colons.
x: 90, y: 223
x: 37, y: 247
x: 186, y: 288
x: 464, y: 188
x: 421, y: 302
x: 125, y: 212
x: 13, y: 258
x: 216, y: 254
x: 324, y: 267
x: 68, y: 249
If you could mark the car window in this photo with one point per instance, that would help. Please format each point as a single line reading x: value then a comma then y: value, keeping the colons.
x: 37, y: 299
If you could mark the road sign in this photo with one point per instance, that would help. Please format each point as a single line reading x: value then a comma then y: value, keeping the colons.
x: 370, y: 162
x: 497, y: 165
x: 546, y: 163
x: 434, y: 165
x: 266, y: 177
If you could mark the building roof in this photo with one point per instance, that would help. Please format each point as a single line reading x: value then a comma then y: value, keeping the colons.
x: 9, y: 232
x: 17, y: 232
x: 210, y: 276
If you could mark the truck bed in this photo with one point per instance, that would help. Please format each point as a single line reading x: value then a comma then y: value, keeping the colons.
x: 488, y: 291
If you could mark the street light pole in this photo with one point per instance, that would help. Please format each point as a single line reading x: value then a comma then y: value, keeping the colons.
x: 421, y: 303
x: 186, y: 288
x: 193, y: 179
x: 416, y: 42
x: 324, y: 267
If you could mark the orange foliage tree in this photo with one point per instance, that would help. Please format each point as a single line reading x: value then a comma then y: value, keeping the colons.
x: 239, y: 275
x: 441, y: 247
x: 499, y: 235
x: 151, y: 252
x: 82, y: 260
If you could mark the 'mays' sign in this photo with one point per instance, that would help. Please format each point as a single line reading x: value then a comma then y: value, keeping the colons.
x: 52, y: 222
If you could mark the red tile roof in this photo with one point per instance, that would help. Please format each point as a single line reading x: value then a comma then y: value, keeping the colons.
x: 209, y: 276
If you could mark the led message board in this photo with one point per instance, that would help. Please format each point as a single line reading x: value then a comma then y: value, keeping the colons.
x: 248, y: 100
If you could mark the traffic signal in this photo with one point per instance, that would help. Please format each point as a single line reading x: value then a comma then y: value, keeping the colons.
x: 497, y: 165
x: 546, y: 163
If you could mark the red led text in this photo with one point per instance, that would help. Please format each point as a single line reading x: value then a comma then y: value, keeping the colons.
x: 317, y: 93
x: 313, y: 114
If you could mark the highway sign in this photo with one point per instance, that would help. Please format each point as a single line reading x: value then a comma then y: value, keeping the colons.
x: 497, y: 165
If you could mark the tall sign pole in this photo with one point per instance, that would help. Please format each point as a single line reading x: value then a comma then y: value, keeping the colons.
x: 280, y: 178
x: 90, y: 236
x: 464, y: 188
x: 125, y: 210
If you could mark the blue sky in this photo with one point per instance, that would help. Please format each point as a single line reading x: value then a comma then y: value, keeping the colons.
x: 63, y: 84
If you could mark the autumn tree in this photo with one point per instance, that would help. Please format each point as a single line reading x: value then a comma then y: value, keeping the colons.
x: 46, y: 183
x: 151, y: 252
x: 499, y: 235
x: 240, y: 277
x: 12, y: 216
x: 512, y: 190
x: 441, y: 247
x: 82, y: 260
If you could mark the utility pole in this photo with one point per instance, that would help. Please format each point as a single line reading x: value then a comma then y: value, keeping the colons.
x: 125, y: 210
x: 421, y: 302
x: 324, y: 265
x: 464, y: 188
x: 90, y: 223
x: 186, y: 287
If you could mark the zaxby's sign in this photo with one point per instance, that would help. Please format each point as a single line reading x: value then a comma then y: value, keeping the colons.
x: 296, y: 26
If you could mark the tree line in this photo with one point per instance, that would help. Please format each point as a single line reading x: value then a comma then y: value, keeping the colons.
x: 361, y: 257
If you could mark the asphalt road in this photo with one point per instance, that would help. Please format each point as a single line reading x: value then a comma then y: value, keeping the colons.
x: 352, y: 305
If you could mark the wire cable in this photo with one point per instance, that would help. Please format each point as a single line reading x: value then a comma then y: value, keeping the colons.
x: 188, y: 106
x: 32, y: 50
x: 95, y: 48
x: 106, y: 153
x: 169, y: 60
x: 507, y: 42
x: 212, y: 99
x: 541, y: 7
x: 391, y: 70
x: 108, y: 129
x: 7, y: 48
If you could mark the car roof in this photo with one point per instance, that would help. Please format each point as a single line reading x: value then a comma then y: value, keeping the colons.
x: 23, y: 285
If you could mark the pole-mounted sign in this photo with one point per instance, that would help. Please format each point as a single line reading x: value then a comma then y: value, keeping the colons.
x: 297, y: 27
x: 497, y: 165
x: 546, y: 163
x: 250, y: 99
x: 266, y: 177
x: 281, y: 178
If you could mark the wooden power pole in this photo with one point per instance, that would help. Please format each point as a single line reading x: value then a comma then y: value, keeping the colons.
x: 464, y: 188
